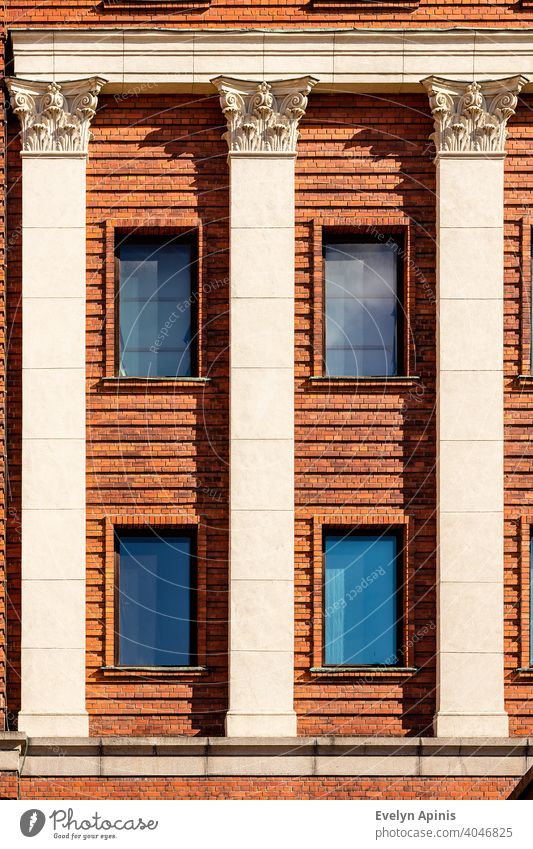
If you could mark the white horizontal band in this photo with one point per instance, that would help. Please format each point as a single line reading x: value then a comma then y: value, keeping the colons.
x: 146, y: 61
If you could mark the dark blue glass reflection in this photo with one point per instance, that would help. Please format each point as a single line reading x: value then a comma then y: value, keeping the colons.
x: 156, y: 609
x: 361, y: 308
x: 361, y: 599
x: 157, y: 308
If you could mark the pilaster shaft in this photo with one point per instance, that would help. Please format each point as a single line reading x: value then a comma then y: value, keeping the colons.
x: 470, y: 131
x: 262, y: 133
x: 55, y: 121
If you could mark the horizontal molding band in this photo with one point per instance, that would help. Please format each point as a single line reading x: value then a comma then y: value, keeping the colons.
x: 144, y: 61
x: 314, y: 756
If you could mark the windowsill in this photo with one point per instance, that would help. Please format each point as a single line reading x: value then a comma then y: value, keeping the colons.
x: 525, y: 380
x: 153, y: 382
x: 154, y: 2
x: 363, y: 671
x: 525, y: 672
x: 395, y: 380
x: 145, y: 671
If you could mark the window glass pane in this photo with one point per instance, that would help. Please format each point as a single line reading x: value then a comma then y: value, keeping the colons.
x: 155, y: 593
x: 157, y: 308
x: 361, y: 308
x: 361, y: 614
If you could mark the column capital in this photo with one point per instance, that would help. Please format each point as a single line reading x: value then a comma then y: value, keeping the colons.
x: 55, y: 117
x: 471, y: 117
x: 262, y: 116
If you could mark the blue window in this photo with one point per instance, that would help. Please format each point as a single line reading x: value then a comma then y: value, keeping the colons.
x: 362, y: 315
x: 361, y: 595
x: 157, y: 307
x: 156, y: 599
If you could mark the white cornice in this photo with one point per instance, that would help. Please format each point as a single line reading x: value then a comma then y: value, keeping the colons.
x: 342, y: 59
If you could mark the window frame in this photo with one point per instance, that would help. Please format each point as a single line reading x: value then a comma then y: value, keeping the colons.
x: 335, y: 237
x: 391, y: 522
x: 525, y: 367
x: 185, y: 525
x: 119, y: 229
x: 398, y: 594
x: 185, y: 239
x: 525, y: 537
x: 363, y: 229
x: 181, y: 533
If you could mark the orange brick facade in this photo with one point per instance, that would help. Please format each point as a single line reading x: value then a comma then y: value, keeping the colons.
x: 258, y: 788
x: 163, y: 452
x: 270, y: 13
x: 364, y: 454
x: 3, y: 594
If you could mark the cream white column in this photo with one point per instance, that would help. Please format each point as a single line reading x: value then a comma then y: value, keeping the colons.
x: 55, y: 134
x: 262, y: 134
x: 470, y: 131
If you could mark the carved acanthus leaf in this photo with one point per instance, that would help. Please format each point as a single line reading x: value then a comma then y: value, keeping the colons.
x: 261, y: 116
x: 55, y: 117
x: 472, y: 117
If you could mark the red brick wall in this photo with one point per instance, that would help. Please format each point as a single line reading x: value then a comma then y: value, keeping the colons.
x: 164, y: 452
x: 2, y: 395
x: 271, y: 13
x: 8, y: 785
x: 152, y: 453
x: 518, y: 415
x: 13, y: 419
x: 159, y: 451
x: 266, y: 788
x: 367, y: 450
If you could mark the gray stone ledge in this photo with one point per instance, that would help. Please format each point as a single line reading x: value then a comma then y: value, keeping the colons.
x: 298, y: 756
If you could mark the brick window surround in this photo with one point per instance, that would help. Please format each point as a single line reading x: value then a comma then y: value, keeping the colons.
x: 379, y: 228
x: 117, y: 228
x: 525, y: 529
x: 125, y: 522
x: 526, y: 283
x: 349, y: 521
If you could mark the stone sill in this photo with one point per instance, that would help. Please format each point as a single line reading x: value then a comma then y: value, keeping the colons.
x: 149, y: 383
x: 383, y: 4
x: 127, y: 3
x: 157, y: 671
x: 525, y: 381
x: 392, y: 382
x: 322, y: 756
x: 363, y: 671
x: 525, y: 672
